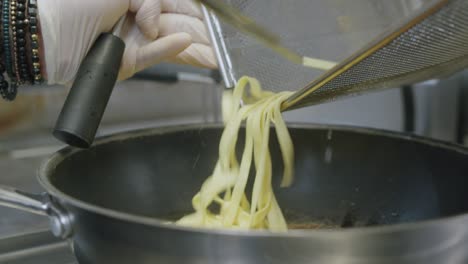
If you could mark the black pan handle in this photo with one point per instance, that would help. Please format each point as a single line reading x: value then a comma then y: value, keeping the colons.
x: 87, y: 100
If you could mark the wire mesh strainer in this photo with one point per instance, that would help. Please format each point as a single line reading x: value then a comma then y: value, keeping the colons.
x: 431, y: 42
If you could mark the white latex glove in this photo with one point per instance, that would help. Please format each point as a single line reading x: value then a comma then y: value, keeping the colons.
x: 158, y: 30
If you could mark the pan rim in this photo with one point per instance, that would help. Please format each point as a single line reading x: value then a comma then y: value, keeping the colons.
x: 49, y: 164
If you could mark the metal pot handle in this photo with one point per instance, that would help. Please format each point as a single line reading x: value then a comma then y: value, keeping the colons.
x: 60, y: 220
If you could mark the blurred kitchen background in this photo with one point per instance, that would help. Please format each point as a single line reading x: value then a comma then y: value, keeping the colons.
x: 173, y: 94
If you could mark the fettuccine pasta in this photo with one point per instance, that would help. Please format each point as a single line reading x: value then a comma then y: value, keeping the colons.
x: 226, y: 187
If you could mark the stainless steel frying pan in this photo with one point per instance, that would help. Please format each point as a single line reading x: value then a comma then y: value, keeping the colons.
x: 370, y: 197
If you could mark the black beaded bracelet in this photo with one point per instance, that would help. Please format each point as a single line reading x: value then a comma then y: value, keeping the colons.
x: 3, y: 83
x: 24, y: 73
x: 19, y: 46
x: 15, y: 76
x: 34, y: 37
x: 6, y: 35
x: 8, y: 92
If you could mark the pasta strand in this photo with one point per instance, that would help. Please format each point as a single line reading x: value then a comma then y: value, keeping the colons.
x: 226, y: 187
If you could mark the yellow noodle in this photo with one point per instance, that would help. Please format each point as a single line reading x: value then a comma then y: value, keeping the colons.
x: 318, y: 63
x: 226, y: 186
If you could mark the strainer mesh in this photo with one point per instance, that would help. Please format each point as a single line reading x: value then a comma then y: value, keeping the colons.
x: 335, y: 29
x: 437, y: 45
x: 330, y: 30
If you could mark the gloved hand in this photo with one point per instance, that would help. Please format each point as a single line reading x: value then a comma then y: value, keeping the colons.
x: 156, y: 31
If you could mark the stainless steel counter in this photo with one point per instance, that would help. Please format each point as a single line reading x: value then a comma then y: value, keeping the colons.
x: 38, y: 247
x: 19, y: 173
